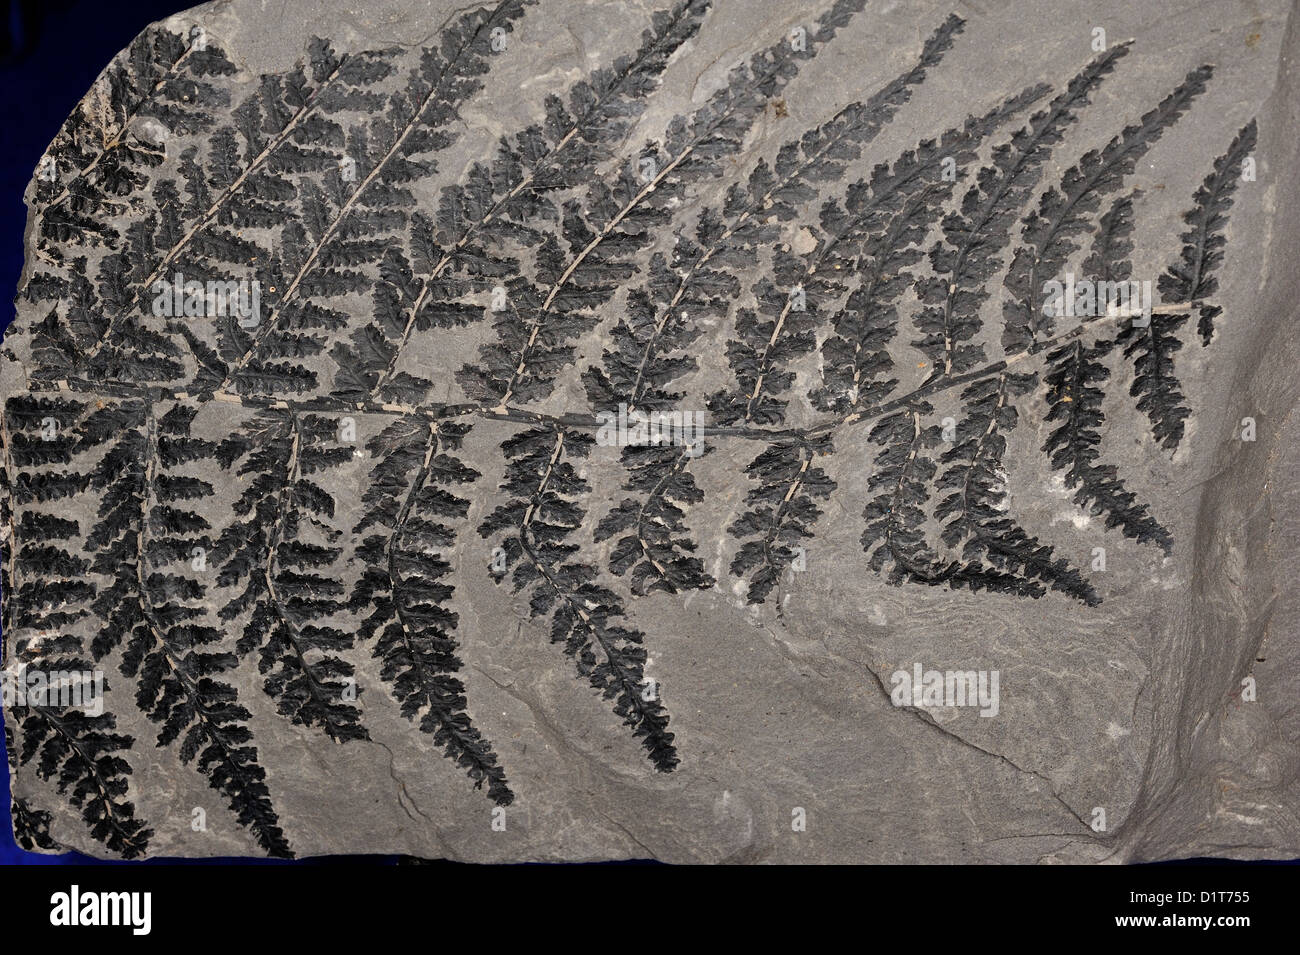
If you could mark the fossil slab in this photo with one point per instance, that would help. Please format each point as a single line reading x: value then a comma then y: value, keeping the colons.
x: 843, y: 431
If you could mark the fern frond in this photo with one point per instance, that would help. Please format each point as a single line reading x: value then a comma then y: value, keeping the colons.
x: 638, y: 370
x: 270, y: 124
x: 655, y: 551
x: 81, y: 752
x: 99, y: 163
x: 145, y: 529
x: 973, y: 511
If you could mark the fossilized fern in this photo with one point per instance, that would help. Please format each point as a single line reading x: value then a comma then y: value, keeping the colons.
x: 323, y: 185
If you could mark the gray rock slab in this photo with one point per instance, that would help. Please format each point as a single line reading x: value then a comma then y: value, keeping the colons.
x: 314, y: 480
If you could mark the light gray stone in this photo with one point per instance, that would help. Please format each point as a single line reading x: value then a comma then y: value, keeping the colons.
x: 788, y: 747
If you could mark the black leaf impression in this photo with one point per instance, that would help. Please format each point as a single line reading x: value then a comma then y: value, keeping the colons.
x: 598, y: 248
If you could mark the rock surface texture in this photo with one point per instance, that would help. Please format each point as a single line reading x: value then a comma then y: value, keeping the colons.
x: 345, y: 331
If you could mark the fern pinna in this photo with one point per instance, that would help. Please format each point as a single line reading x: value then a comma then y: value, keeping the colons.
x: 47, y: 598
x: 279, y: 556
x: 150, y: 541
x: 607, y: 256
x: 1187, y: 282
x: 533, y: 530
x: 103, y: 157
x: 405, y: 582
